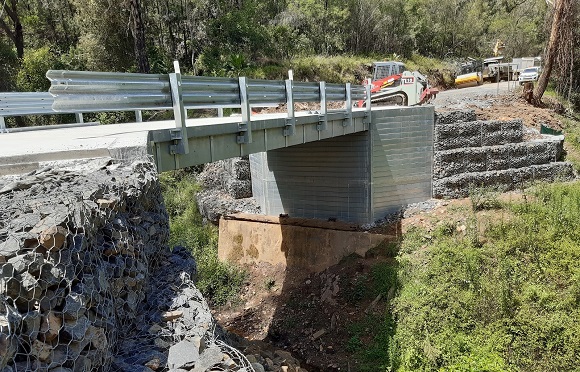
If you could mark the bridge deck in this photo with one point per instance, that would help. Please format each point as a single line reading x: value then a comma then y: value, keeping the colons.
x: 127, y: 140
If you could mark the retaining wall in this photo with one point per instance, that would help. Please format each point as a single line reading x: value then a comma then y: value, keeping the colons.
x: 75, y: 259
x: 227, y: 188
x: 471, y: 153
x: 477, y: 134
x: 87, y: 282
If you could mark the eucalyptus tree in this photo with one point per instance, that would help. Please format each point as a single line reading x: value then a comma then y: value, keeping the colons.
x: 561, y: 44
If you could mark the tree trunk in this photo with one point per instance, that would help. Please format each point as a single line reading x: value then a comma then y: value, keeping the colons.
x: 551, y: 50
x: 138, y: 31
x: 15, y: 32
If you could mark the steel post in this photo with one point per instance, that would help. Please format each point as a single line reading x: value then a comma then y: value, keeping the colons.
x: 179, y: 134
x: 245, y: 135
x: 291, y: 119
x: 322, y: 118
x: 79, y: 118
x: 348, y: 106
x: 368, y: 101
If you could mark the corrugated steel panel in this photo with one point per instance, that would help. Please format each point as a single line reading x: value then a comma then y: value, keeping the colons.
x: 332, y: 178
x: 324, y: 179
x: 401, y: 159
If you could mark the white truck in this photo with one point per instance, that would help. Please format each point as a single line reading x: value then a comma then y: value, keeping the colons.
x: 525, y: 62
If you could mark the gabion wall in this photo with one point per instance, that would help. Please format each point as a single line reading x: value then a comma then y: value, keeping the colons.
x: 477, y: 134
x: 76, y: 252
x: 227, y: 188
x: 471, y: 153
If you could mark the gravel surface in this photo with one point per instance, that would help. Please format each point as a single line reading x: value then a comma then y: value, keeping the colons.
x: 479, y: 96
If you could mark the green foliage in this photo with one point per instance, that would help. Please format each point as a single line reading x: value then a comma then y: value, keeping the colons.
x: 511, y: 304
x: 105, y: 41
x: 372, y: 344
x: 31, y: 77
x: 484, y: 197
x: 219, y: 282
x: 371, y: 338
x: 8, y: 64
x: 337, y: 69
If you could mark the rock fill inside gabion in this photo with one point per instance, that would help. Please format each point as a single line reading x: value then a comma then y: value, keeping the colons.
x: 471, y: 153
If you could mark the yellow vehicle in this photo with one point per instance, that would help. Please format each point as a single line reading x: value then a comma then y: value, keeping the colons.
x: 470, y: 74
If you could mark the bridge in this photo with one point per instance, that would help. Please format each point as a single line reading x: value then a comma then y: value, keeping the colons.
x: 350, y: 164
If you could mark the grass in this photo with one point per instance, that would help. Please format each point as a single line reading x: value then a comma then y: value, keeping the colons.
x: 502, y: 296
x: 219, y: 282
x: 509, y: 304
x: 571, y: 125
x: 572, y: 143
x: 371, y: 338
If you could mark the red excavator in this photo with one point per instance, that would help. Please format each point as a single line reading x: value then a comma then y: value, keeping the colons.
x: 393, y: 85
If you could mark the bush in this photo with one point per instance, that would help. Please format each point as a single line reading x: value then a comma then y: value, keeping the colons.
x: 35, y: 64
x: 8, y: 63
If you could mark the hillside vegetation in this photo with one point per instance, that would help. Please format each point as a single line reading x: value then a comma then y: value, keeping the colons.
x: 252, y: 37
x: 500, y: 294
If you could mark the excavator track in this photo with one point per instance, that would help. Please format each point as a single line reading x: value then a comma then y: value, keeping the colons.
x: 392, y: 99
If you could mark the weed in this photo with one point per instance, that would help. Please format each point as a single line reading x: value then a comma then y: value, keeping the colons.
x: 484, y: 198
x: 355, y: 289
x: 384, y: 277
x: 269, y: 284
x: 372, y: 344
x: 354, y: 344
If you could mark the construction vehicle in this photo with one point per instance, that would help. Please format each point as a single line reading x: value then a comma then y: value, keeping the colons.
x: 393, y: 85
x: 498, y: 48
x: 469, y: 74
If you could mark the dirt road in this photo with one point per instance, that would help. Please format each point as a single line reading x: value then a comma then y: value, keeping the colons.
x: 473, y: 96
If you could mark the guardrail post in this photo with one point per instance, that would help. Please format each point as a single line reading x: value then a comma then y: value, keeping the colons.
x: 179, y: 134
x: 322, y: 118
x: 368, y: 101
x: 79, y: 118
x: 2, y: 125
x: 138, y: 116
x: 348, y: 116
x: 245, y: 135
x: 291, y: 119
x: 220, y: 111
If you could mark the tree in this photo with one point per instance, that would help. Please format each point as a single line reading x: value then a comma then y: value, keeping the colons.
x: 14, y: 26
x: 138, y: 30
x: 563, y: 10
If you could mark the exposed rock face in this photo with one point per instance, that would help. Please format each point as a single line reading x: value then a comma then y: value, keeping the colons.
x: 227, y: 188
x: 471, y: 153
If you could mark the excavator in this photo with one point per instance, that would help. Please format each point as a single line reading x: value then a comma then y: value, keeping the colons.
x: 393, y: 85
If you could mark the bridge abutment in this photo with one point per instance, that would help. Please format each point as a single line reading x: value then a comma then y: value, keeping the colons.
x: 359, y: 177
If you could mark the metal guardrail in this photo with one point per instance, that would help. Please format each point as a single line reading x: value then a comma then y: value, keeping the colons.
x: 80, y: 91
x: 23, y: 104
x: 35, y: 103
